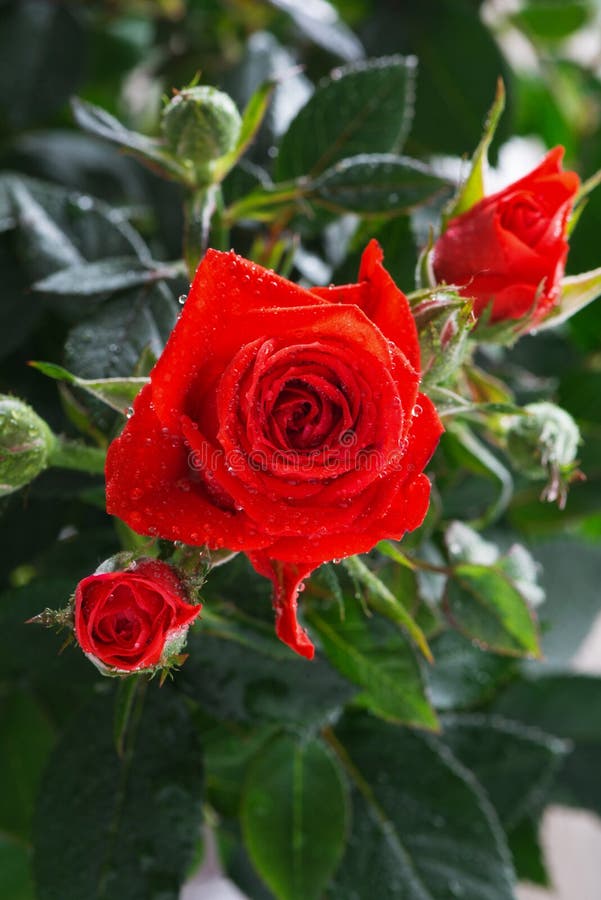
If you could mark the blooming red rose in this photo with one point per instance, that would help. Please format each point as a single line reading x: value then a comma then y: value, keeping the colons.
x: 509, y: 250
x: 134, y: 619
x: 283, y: 422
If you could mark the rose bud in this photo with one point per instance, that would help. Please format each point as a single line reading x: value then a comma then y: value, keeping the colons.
x: 282, y: 422
x: 135, y: 620
x: 543, y: 444
x: 444, y: 322
x: 26, y: 443
x: 200, y: 125
x: 508, y: 251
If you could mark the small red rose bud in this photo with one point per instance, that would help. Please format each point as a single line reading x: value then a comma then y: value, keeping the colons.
x: 134, y: 620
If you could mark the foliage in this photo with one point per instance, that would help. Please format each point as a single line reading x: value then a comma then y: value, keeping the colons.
x: 371, y: 771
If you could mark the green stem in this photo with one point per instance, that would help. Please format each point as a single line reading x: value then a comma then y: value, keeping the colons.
x: 199, y: 208
x: 68, y: 454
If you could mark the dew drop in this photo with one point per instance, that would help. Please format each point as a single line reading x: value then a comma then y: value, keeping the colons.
x: 182, y: 299
x: 130, y: 412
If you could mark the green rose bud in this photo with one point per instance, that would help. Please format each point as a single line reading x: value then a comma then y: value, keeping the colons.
x: 544, y: 444
x: 200, y: 125
x: 26, y: 443
x: 443, y: 322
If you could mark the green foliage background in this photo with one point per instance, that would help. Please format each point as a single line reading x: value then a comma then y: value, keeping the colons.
x: 370, y: 772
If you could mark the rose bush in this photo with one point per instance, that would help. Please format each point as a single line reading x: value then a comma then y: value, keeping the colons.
x: 283, y: 422
x: 508, y: 251
x: 132, y: 620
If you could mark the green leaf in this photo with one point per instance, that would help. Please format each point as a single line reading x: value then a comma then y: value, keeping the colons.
x: 375, y: 184
x: 15, y: 865
x: 385, y: 602
x: 238, y: 670
x: 107, y: 826
x: 527, y: 853
x: 463, y: 675
x: 375, y: 656
x: 27, y: 738
x: 473, y: 188
x: 107, y: 276
x: 459, y: 65
x: 44, y: 246
x: 423, y: 828
x: 99, y: 122
x: 42, y: 78
x: 118, y: 393
x: 482, y: 603
x: 475, y: 456
x: 252, y: 118
x: 516, y: 765
x: 228, y: 755
x: 551, y: 21
x: 568, y: 706
x: 320, y: 21
x: 29, y: 655
x: 93, y: 228
x: 365, y: 107
x: 294, y: 816
x: 109, y: 343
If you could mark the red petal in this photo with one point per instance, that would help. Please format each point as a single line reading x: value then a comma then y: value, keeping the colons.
x: 382, y: 302
x: 287, y: 579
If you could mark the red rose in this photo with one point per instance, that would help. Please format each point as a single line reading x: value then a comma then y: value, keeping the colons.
x: 509, y: 250
x: 280, y: 421
x: 132, y: 620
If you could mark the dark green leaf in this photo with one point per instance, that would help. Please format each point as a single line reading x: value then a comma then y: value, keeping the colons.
x: 515, y: 765
x: 483, y: 603
x: 107, y: 276
x: 27, y: 738
x: 374, y: 655
x: 319, y: 20
x: 29, y: 654
x: 239, y: 670
x: 568, y: 706
x: 294, y: 816
x: 15, y: 865
x: 109, y: 343
x: 362, y: 108
x: 527, y: 853
x: 107, y: 826
x: 228, y: 753
x: 459, y: 64
x: 42, y: 55
x: 98, y: 121
x: 463, y: 675
x: 422, y: 827
x: 375, y: 184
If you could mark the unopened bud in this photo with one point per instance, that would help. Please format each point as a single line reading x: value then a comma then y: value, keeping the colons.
x: 443, y: 322
x: 201, y: 124
x: 543, y: 444
x: 25, y: 444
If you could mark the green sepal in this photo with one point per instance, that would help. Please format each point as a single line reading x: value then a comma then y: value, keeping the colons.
x: 472, y: 190
x: 577, y: 291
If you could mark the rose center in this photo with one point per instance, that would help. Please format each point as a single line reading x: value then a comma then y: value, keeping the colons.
x: 525, y: 218
x: 303, y: 417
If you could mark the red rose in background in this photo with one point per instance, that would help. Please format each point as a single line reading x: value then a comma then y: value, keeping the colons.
x: 509, y: 250
x: 134, y: 619
x: 282, y: 422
